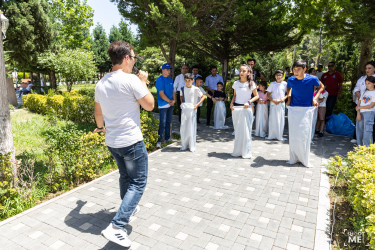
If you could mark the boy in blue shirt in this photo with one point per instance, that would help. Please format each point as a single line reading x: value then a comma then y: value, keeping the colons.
x: 166, y: 99
x: 301, y: 105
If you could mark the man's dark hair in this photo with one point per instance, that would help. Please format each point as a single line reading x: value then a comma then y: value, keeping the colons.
x: 371, y: 79
x: 370, y: 63
x: 310, y: 70
x: 213, y: 67
x: 320, y: 65
x: 287, y: 68
x: 299, y: 63
x: 189, y: 76
x: 332, y: 63
x: 220, y: 83
x: 251, y: 60
x: 195, y: 67
x: 279, y: 71
x: 199, y: 78
x: 118, y: 50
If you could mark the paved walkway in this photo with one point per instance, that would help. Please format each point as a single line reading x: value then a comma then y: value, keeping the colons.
x: 201, y: 200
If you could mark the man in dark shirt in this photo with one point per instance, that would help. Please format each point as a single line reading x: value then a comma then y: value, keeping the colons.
x: 256, y: 74
x: 333, y: 84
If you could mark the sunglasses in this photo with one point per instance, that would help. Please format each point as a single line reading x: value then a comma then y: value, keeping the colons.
x: 330, y: 66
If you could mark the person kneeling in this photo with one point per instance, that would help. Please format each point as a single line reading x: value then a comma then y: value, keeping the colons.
x: 189, y: 98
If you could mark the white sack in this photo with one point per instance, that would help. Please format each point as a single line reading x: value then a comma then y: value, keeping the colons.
x: 220, y: 113
x: 315, y: 117
x: 188, y: 128
x: 242, y: 122
x: 276, y: 121
x: 261, y: 120
x: 300, y: 124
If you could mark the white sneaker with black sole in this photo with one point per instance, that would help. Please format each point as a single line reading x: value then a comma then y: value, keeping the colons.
x: 117, y: 236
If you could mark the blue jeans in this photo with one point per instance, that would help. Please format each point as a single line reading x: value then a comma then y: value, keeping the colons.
x: 165, y: 120
x: 132, y: 162
x: 364, y: 128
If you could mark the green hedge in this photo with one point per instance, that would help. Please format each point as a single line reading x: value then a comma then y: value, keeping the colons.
x: 358, y: 170
x: 78, y: 106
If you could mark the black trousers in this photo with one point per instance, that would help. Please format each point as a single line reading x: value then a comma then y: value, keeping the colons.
x: 198, y: 113
x: 330, y: 104
x: 210, y: 104
x: 178, y: 105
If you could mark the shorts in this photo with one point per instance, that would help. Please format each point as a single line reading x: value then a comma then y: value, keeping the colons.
x: 321, y: 113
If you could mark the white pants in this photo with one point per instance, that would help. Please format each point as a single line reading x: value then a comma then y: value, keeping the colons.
x: 261, y: 120
x: 300, y: 125
x: 220, y: 113
x: 242, y: 122
x: 276, y: 121
x: 188, y: 129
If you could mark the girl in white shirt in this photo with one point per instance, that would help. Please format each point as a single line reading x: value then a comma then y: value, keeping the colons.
x: 276, y: 93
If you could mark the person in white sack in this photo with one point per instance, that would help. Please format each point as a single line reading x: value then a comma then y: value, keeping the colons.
x: 277, y: 95
x: 219, y: 98
x: 242, y: 113
x: 301, y: 106
x: 261, y: 115
x: 189, y: 103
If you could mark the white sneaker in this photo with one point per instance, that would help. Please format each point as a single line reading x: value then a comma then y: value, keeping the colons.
x: 353, y: 141
x: 158, y: 145
x: 117, y: 236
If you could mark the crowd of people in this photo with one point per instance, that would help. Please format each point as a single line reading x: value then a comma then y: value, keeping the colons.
x: 119, y: 95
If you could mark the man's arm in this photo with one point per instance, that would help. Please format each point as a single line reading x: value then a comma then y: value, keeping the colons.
x: 201, y: 100
x: 99, y: 118
x: 147, y: 102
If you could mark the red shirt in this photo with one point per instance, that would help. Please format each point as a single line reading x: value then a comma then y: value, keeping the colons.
x: 332, y: 82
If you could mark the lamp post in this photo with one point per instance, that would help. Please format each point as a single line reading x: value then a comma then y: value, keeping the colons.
x: 6, y: 137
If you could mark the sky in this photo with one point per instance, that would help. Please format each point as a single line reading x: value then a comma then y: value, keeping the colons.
x: 107, y: 14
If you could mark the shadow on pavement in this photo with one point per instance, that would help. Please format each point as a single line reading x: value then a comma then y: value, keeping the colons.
x: 223, y: 156
x: 260, y: 162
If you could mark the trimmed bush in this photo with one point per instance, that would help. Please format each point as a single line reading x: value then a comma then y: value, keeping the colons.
x: 358, y: 169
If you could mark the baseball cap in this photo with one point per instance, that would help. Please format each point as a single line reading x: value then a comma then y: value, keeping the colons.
x: 166, y: 66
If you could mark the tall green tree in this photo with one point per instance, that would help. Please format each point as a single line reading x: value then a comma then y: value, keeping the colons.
x: 29, y: 33
x: 73, y: 19
x: 115, y: 34
x: 99, y: 46
x: 126, y: 33
x: 169, y: 24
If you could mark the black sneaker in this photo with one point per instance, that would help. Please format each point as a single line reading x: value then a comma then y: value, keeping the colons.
x: 320, y: 134
x: 317, y: 132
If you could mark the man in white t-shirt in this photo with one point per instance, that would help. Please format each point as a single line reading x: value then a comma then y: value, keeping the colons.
x: 118, y: 96
x: 211, y: 86
x: 178, y: 84
x: 319, y: 72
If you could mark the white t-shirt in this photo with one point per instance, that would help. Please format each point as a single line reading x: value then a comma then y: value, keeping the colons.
x: 203, y: 92
x: 367, y: 98
x: 243, y: 92
x: 118, y: 92
x: 359, y: 87
x: 325, y: 96
x: 319, y: 74
x: 191, y: 95
x: 277, y: 90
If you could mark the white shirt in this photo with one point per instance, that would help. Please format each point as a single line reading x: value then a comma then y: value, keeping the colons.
x: 243, y: 92
x: 277, y: 90
x: 367, y: 98
x: 319, y: 74
x: 324, y: 102
x: 211, y: 81
x: 203, y: 92
x: 29, y: 87
x: 359, y: 87
x: 118, y: 92
x: 191, y: 95
x: 179, y: 82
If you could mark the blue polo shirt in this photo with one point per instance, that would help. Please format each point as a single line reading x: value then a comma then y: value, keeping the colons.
x: 302, y: 90
x: 164, y: 84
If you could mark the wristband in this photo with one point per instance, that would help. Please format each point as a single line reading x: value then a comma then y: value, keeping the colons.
x: 100, y: 128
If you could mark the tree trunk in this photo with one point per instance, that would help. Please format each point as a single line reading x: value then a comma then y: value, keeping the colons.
x: 6, y: 136
x: 172, y: 55
x: 224, y: 65
x: 12, y: 99
x: 367, y: 47
x: 52, y: 79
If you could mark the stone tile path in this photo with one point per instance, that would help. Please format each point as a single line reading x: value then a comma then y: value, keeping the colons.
x: 201, y: 200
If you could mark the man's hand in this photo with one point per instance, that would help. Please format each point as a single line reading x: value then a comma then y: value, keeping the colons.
x: 143, y: 75
x: 246, y: 105
x: 99, y: 130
